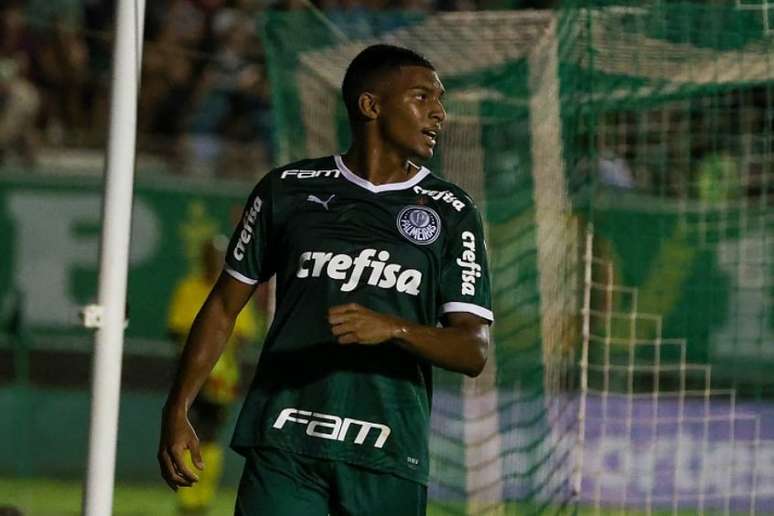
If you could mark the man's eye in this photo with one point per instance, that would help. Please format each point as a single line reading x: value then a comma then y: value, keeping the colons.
x: 421, y: 96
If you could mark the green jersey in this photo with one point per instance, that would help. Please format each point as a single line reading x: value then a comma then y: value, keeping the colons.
x: 413, y: 249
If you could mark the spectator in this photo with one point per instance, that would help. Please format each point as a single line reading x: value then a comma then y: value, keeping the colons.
x: 19, y: 103
x: 19, y: 98
x: 165, y: 96
x: 718, y: 178
x: 231, y: 102
x: 97, y: 18
x: 15, y: 38
x: 62, y: 61
x: 187, y: 23
x: 614, y: 171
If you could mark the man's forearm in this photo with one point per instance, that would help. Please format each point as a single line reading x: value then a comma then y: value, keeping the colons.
x: 459, y: 349
x: 460, y: 346
x: 207, y: 339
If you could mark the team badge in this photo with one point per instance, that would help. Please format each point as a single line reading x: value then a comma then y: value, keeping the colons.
x: 420, y: 224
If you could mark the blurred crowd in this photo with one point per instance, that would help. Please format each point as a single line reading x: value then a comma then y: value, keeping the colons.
x: 204, y: 105
x: 204, y: 97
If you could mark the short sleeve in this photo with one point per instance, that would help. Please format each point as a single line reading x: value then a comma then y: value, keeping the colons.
x: 248, y: 255
x: 465, y: 283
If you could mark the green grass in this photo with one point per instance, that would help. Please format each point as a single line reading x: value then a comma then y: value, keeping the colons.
x: 38, y: 497
x: 45, y: 497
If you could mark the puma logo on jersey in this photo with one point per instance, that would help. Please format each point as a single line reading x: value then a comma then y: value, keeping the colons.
x: 308, y: 174
x: 314, y: 198
x: 352, y: 271
x: 470, y: 269
x: 334, y: 428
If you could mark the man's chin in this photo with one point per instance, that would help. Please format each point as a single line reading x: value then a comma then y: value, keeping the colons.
x: 423, y: 153
x: 418, y: 153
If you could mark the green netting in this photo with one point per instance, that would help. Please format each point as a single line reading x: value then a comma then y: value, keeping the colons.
x: 649, y: 123
x: 679, y: 150
x: 674, y: 140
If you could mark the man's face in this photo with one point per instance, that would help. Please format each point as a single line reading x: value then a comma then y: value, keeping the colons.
x: 411, y: 112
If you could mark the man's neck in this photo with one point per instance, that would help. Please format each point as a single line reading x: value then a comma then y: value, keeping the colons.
x: 378, y: 167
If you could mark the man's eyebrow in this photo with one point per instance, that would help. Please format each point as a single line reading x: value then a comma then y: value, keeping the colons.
x: 425, y: 87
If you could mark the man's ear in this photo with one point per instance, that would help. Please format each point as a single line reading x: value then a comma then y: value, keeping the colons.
x: 368, y: 105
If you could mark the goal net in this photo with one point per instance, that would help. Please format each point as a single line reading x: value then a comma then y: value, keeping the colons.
x: 676, y: 413
x: 631, y: 367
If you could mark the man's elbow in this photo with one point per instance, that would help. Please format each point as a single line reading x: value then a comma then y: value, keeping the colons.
x: 478, y: 361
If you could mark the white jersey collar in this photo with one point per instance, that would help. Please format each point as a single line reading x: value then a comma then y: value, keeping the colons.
x: 387, y: 187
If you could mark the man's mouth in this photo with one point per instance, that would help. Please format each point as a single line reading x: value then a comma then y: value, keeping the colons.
x: 431, y: 135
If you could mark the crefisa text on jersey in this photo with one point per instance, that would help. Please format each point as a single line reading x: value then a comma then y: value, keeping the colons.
x: 247, y: 228
x: 441, y: 195
x: 470, y: 269
x: 344, y: 267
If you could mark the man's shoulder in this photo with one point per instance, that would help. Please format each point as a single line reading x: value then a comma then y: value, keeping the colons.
x: 446, y: 194
x: 306, y: 169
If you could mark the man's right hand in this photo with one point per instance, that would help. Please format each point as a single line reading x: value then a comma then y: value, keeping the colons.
x: 178, y: 436
x: 206, y: 340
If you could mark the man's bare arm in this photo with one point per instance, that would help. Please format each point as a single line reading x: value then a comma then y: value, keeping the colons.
x: 461, y: 346
x: 205, y: 343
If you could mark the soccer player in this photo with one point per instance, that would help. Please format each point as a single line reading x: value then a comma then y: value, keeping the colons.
x: 370, y: 251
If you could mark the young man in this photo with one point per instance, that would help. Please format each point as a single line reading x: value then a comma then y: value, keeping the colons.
x: 370, y: 252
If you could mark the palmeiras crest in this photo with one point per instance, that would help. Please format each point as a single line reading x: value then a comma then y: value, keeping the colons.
x: 419, y: 224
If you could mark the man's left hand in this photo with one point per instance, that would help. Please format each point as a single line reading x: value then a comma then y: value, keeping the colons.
x: 356, y: 324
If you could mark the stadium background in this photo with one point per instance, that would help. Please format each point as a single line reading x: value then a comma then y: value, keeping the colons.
x: 622, y: 155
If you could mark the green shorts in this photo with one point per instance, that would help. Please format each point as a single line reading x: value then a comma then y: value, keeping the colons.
x: 280, y: 483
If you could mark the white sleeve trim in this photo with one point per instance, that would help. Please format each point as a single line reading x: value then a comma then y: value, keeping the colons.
x: 468, y: 307
x: 238, y: 276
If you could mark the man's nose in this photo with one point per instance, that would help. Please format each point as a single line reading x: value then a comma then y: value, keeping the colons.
x: 438, y: 113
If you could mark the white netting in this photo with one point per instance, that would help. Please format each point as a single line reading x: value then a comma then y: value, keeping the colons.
x: 657, y: 433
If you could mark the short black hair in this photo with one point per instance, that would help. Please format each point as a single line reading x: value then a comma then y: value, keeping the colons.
x: 369, y: 64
